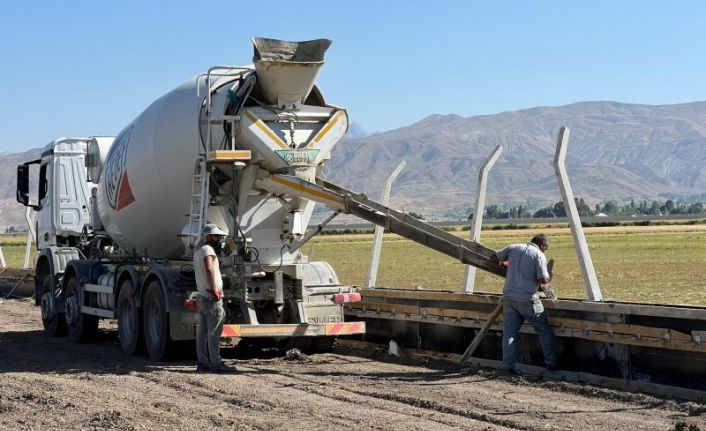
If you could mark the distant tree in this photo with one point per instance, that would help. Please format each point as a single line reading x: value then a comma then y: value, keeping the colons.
x: 547, y: 212
x: 696, y: 208
x: 559, y: 210
x: 611, y: 207
x: 654, y: 208
x: 643, y: 208
x: 583, y: 209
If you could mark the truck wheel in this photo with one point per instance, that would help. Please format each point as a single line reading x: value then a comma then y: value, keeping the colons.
x: 323, y: 344
x: 82, y: 327
x: 159, y: 344
x: 54, y: 323
x: 129, y: 321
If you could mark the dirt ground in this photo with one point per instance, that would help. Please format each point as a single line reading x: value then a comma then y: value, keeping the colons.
x: 51, y: 384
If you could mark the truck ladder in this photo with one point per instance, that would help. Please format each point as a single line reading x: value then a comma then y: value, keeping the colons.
x: 199, y: 204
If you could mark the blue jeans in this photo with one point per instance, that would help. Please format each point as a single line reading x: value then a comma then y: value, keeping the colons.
x: 514, y: 314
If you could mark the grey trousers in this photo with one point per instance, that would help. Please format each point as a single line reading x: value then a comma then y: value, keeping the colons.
x: 514, y: 314
x: 208, y: 335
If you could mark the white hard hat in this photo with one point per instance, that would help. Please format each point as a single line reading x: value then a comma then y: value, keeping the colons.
x: 213, y: 229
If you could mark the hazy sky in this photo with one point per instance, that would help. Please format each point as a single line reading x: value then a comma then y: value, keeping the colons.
x: 82, y: 68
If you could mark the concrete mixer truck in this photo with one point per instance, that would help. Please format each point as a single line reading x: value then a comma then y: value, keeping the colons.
x: 242, y: 147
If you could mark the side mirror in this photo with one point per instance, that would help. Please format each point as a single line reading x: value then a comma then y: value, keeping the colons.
x: 23, y: 197
x: 23, y: 184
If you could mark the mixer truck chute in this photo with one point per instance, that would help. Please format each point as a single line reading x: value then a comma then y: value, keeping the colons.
x: 242, y: 147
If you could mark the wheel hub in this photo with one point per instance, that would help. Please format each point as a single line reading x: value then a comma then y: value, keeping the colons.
x: 127, y: 317
x: 46, y: 306
x: 71, y: 309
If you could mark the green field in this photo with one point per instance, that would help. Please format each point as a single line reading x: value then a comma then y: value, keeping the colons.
x: 13, y: 248
x: 653, y: 264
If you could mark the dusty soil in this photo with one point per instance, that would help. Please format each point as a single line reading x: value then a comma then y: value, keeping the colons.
x: 51, y: 384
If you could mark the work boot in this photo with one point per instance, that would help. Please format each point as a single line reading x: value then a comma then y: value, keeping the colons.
x: 223, y: 369
x: 551, y: 367
x: 203, y: 368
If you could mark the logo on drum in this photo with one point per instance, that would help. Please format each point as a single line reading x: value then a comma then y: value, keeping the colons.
x: 116, y: 183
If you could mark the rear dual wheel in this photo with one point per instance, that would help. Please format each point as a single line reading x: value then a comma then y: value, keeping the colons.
x: 81, y: 327
x: 132, y: 341
x: 158, y: 342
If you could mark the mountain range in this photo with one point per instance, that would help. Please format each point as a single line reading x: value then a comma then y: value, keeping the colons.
x: 616, y: 151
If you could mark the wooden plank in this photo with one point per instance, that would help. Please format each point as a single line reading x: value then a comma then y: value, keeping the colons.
x: 428, y: 295
x: 608, y: 307
x: 630, y: 340
x: 450, y: 321
x: 620, y: 328
x: 390, y: 308
x: 638, y: 331
x: 655, y: 310
x: 414, y: 309
x: 565, y: 331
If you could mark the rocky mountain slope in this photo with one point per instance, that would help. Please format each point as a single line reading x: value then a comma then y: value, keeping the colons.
x: 616, y: 151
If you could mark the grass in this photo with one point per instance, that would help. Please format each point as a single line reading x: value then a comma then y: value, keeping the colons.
x: 13, y: 248
x: 654, y: 264
x: 651, y: 264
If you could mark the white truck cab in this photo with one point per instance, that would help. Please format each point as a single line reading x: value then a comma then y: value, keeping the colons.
x: 62, y: 198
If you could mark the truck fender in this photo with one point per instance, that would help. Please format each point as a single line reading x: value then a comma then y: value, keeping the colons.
x: 166, y: 276
x: 52, y: 261
x: 128, y: 272
x: 181, y: 321
x: 87, y: 271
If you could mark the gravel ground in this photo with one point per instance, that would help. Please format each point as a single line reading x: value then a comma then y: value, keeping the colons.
x: 51, y: 384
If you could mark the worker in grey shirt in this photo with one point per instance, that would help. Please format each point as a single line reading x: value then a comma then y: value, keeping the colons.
x: 209, y: 302
x: 526, y: 269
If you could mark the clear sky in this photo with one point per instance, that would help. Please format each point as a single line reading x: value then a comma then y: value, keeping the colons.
x: 83, y: 68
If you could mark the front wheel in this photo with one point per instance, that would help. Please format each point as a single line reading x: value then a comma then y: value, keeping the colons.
x: 82, y: 327
x: 129, y: 321
x: 160, y: 345
x: 54, y: 323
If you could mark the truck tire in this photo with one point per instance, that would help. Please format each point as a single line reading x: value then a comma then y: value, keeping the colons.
x: 54, y: 323
x: 81, y: 327
x: 129, y: 321
x: 159, y: 344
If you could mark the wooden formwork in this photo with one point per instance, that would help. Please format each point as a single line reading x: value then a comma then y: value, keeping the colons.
x: 636, y: 343
x: 16, y: 282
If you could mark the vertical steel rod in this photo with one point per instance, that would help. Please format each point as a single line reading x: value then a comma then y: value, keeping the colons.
x: 377, y: 238
x: 469, y: 277
x: 29, y: 217
x: 584, y: 255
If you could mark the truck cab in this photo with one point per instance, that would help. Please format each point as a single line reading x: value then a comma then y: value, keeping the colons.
x: 61, y: 195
